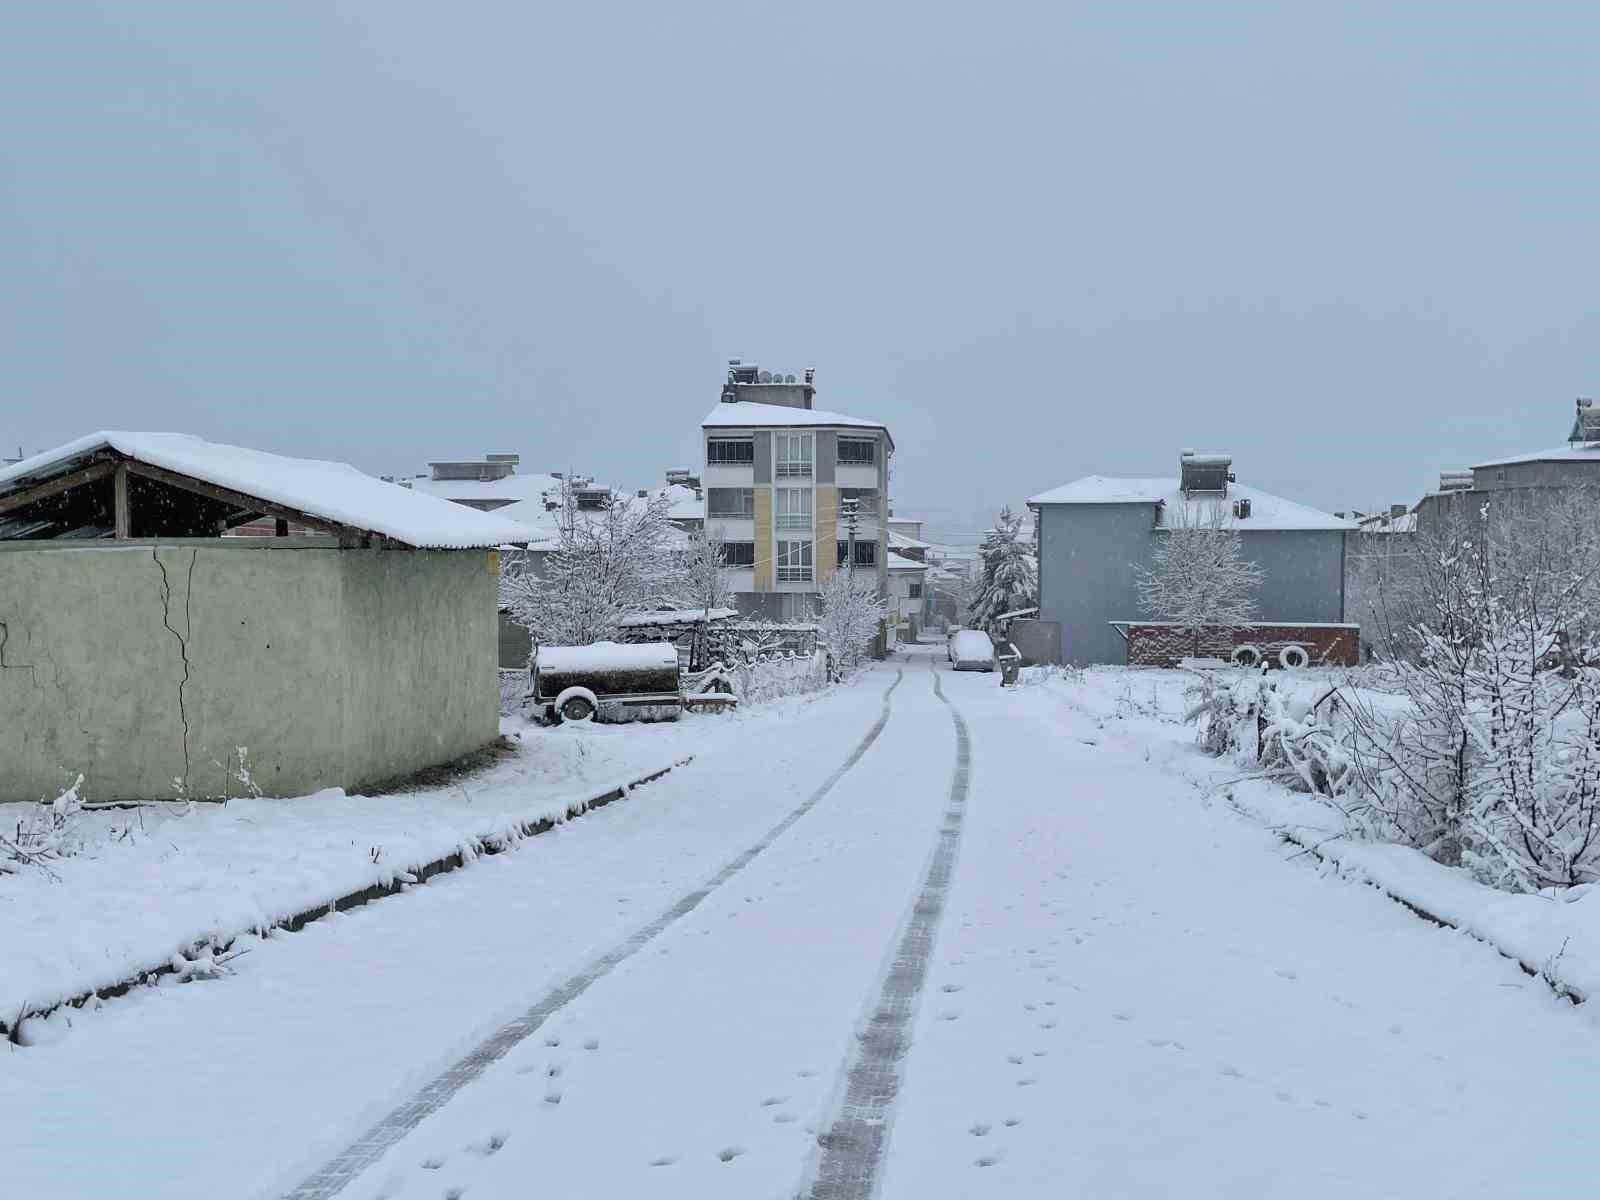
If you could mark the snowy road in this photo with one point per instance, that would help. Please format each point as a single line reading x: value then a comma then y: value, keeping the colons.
x: 1127, y: 992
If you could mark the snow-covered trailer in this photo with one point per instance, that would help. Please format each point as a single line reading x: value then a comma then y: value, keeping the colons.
x: 608, y: 681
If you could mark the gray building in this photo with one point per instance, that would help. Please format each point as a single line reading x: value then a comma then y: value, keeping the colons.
x: 1576, y: 464
x: 141, y: 648
x: 1096, y: 533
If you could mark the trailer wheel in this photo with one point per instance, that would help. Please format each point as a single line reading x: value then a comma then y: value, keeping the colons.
x: 576, y: 704
x: 1247, y: 656
x: 1292, y: 658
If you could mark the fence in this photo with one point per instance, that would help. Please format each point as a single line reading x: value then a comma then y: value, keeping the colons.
x: 767, y: 677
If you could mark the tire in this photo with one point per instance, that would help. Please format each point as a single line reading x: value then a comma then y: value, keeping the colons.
x: 1293, y: 658
x: 576, y: 710
x: 1247, y: 656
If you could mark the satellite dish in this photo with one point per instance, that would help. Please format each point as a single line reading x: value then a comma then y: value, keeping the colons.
x: 764, y: 377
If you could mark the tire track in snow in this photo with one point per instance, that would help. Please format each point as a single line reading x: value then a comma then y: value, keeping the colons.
x: 335, y: 1175
x: 852, y: 1148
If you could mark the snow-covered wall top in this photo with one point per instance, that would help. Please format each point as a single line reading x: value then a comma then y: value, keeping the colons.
x: 1581, y: 453
x: 334, y: 491
x: 1266, y: 510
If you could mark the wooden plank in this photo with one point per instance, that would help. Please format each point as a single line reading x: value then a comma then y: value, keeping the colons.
x: 228, y: 496
x: 123, y: 514
x: 54, y: 487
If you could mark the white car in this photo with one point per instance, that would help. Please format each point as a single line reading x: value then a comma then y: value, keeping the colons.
x: 971, y: 650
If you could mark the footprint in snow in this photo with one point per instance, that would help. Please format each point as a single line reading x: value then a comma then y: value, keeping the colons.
x: 1285, y: 973
x: 491, y: 1144
x: 432, y: 1164
x: 988, y: 1160
x: 1014, y: 1059
x: 664, y: 1161
x: 730, y: 1153
x: 979, y: 1130
x: 1232, y: 1072
x: 552, y: 1039
x: 553, y: 1096
x: 785, y: 1118
x: 454, y: 1193
x: 592, y: 1044
x: 951, y: 987
x: 772, y: 1100
x: 950, y: 1014
x: 1012, y: 1122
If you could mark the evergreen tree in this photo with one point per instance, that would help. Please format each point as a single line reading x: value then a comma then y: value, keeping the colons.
x: 1010, y: 579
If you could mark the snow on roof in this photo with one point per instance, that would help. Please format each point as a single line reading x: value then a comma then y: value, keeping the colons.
x: 1589, y: 452
x: 905, y: 540
x: 1266, y: 510
x: 899, y: 562
x: 746, y: 414
x: 334, y: 491
x: 512, y: 488
x: 685, y: 505
x: 604, y: 656
x: 542, y: 525
x: 676, y: 616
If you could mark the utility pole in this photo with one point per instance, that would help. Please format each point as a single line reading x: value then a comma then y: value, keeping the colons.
x: 849, y: 510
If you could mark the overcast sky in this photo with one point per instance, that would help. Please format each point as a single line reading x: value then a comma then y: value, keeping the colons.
x: 1350, y: 244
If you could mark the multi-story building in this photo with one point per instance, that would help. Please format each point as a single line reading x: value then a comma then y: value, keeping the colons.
x: 778, y: 475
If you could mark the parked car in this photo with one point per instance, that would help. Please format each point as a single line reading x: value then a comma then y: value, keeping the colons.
x: 971, y: 650
x: 607, y: 681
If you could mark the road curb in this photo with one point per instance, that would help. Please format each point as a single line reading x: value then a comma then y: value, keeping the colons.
x: 503, y: 839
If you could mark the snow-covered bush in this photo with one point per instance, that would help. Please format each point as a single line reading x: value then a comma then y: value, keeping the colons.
x: 1289, y: 734
x: 44, y: 833
x: 763, y: 677
x: 850, y: 612
x: 1493, y: 760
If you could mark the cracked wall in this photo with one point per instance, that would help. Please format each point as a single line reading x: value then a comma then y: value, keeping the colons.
x: 145, y: 666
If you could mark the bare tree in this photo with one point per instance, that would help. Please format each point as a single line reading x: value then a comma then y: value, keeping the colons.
x: 705, y: 573
x: 1198, y: 575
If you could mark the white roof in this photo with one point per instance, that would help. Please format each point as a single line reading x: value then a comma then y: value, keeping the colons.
x: 899, y: 562
x: 746, y: 414
x: 1266, y: 510
x: 606, y: 656
x: 542, y: 525
x: 1589, y: 452
x: 334, y: 491
x: 905, y: 540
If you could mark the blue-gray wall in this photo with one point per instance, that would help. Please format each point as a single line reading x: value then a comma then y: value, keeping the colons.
x: 1089, y: 555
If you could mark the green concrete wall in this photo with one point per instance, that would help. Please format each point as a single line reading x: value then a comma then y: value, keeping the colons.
x: 140, y: 665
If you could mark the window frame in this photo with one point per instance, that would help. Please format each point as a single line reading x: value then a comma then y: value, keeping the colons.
x: 784, y: 464
x: 783, y: 498
x: 787, y: 569
x: 854, y: 442
x: 746, y: 552
x: 748, y: 444
x: 844, y: 550
x: 744, y: 513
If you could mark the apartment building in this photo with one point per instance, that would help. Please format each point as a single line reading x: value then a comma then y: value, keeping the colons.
x: 777, y: 471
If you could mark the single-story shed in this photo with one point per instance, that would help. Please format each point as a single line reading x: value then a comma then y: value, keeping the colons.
x: 146, y: 649
x: 1096, y: 534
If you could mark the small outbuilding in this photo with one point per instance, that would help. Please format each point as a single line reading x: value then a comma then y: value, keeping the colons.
x: 146, y: 648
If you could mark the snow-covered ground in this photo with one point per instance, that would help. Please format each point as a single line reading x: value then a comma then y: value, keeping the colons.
x: 1132, y: 989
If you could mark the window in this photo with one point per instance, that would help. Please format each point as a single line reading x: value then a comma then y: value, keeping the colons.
x: 792, y: 454
x: 794, y: 562
x: 866, y: 500
x: 794, y: 509
x: 916, y: 591
x: 738, y: 554
x: 857, y: 452
x: 866, y: 553
x: 796, y: 606
x: 730, y: 502
x: 730, y: 452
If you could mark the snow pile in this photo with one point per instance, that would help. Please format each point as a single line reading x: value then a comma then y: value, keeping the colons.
x: 45, y: 834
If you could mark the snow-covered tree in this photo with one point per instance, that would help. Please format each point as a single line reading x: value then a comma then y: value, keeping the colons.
x: 610, y: 562
x: 851, y: 611
x: 705, y: 573
x: 1010, y: 575
x: 1494, y: 764
x: 1198, y: 575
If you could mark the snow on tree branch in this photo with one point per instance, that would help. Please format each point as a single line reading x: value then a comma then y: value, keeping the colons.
x: 1010, y: 577
x: 1198, y: 575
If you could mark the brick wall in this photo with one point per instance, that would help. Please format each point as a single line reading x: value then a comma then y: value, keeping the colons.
x: 1157, y: 645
